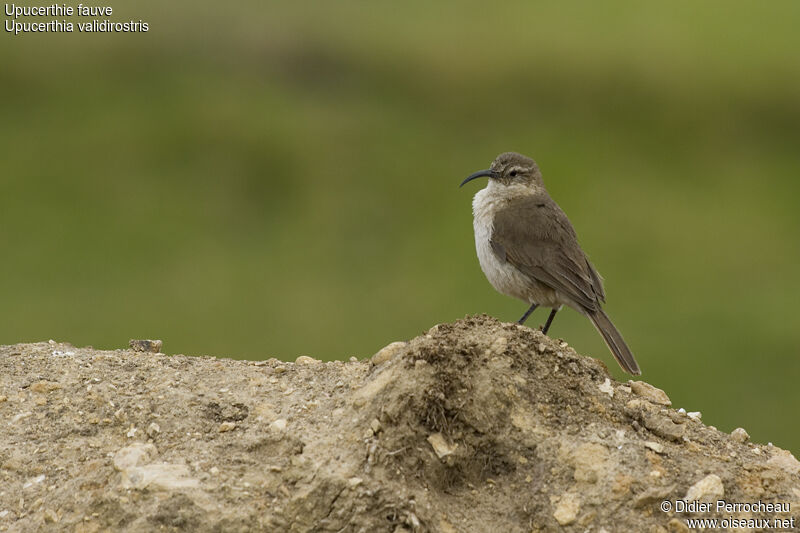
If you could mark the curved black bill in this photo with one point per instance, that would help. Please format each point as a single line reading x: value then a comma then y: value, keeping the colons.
x: 481, y: 173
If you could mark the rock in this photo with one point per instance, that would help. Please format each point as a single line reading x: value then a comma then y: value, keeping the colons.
x: 159, y: 476
x: 132, y: 455
x: 663, y: 427
x: 442, y: 434
x: 695, y: 415
x: 227, y: 426
x: 306, y: 360
x: 589, y: 461
x: 50, y: 516
x: 498, y: 346
x: 639, y: 404
x: 388, y: 352
x: 372, y: 388
x: 645, y: 390
x: 146, y: 345
x: 656, y: 447
x: 708, y: 489
x: 440, y: 445
x: 740, y: 435
x: 784, y: 460
x: 607, y: 388
x: 567, y: 509
x: 652, y: 495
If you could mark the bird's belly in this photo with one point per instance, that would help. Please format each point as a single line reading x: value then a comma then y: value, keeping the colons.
x: 505, y: 278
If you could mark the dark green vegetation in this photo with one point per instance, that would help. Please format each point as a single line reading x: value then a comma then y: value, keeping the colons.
x: 284, y: 181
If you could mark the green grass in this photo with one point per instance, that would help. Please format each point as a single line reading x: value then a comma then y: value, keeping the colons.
x: 279, y: 181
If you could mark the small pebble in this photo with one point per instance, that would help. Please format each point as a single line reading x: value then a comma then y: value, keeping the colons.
x: 649, y: 392
x: 134, y: 455
x: 306, y: 360
x: 227, y: 426
x: 375, y: 425
x: 567, y: 509
x: 655, y: 446
x: 709, y: 488
x: 440, y: 446
x: 740, y: 435
x: 50, y: 516
x: 607, y: 388
x: 387, y: 353
x: 279, y: 424
x: 499, y: 346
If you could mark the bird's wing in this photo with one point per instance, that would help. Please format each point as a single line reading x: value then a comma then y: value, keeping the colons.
x: 534, y: 235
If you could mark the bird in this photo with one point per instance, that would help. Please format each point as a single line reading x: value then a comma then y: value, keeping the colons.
x: 528, y: 249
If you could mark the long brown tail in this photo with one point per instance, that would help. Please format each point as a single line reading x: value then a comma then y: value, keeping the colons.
x: 615, y: 342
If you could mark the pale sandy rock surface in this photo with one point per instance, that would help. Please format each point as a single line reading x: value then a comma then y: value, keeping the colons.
x: 474, y: 426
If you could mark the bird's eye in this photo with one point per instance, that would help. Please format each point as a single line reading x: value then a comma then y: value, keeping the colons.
x: 513, y: 173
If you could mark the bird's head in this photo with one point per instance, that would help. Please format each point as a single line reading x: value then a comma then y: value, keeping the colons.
x: 511, y: 168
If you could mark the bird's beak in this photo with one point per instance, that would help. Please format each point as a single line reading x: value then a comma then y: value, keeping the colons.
x: 481, y: 173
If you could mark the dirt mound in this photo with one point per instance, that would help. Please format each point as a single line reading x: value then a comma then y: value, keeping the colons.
x: 474, y: 426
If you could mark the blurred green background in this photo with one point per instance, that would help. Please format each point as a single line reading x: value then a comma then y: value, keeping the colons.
x: 281, y: 179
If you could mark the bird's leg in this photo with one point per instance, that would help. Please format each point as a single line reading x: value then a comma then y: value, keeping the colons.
x: 527, y: 314
x: 549, y: 321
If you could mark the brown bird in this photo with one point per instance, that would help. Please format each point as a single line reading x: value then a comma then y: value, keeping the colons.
x: 529, y: 250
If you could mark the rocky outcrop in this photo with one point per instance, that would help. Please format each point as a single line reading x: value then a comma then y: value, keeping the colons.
x: 474, y: 426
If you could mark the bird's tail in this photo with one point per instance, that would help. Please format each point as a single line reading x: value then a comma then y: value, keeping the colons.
x: 615, y: 342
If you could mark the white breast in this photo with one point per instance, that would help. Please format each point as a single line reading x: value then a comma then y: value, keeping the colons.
x: 503, y: 276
